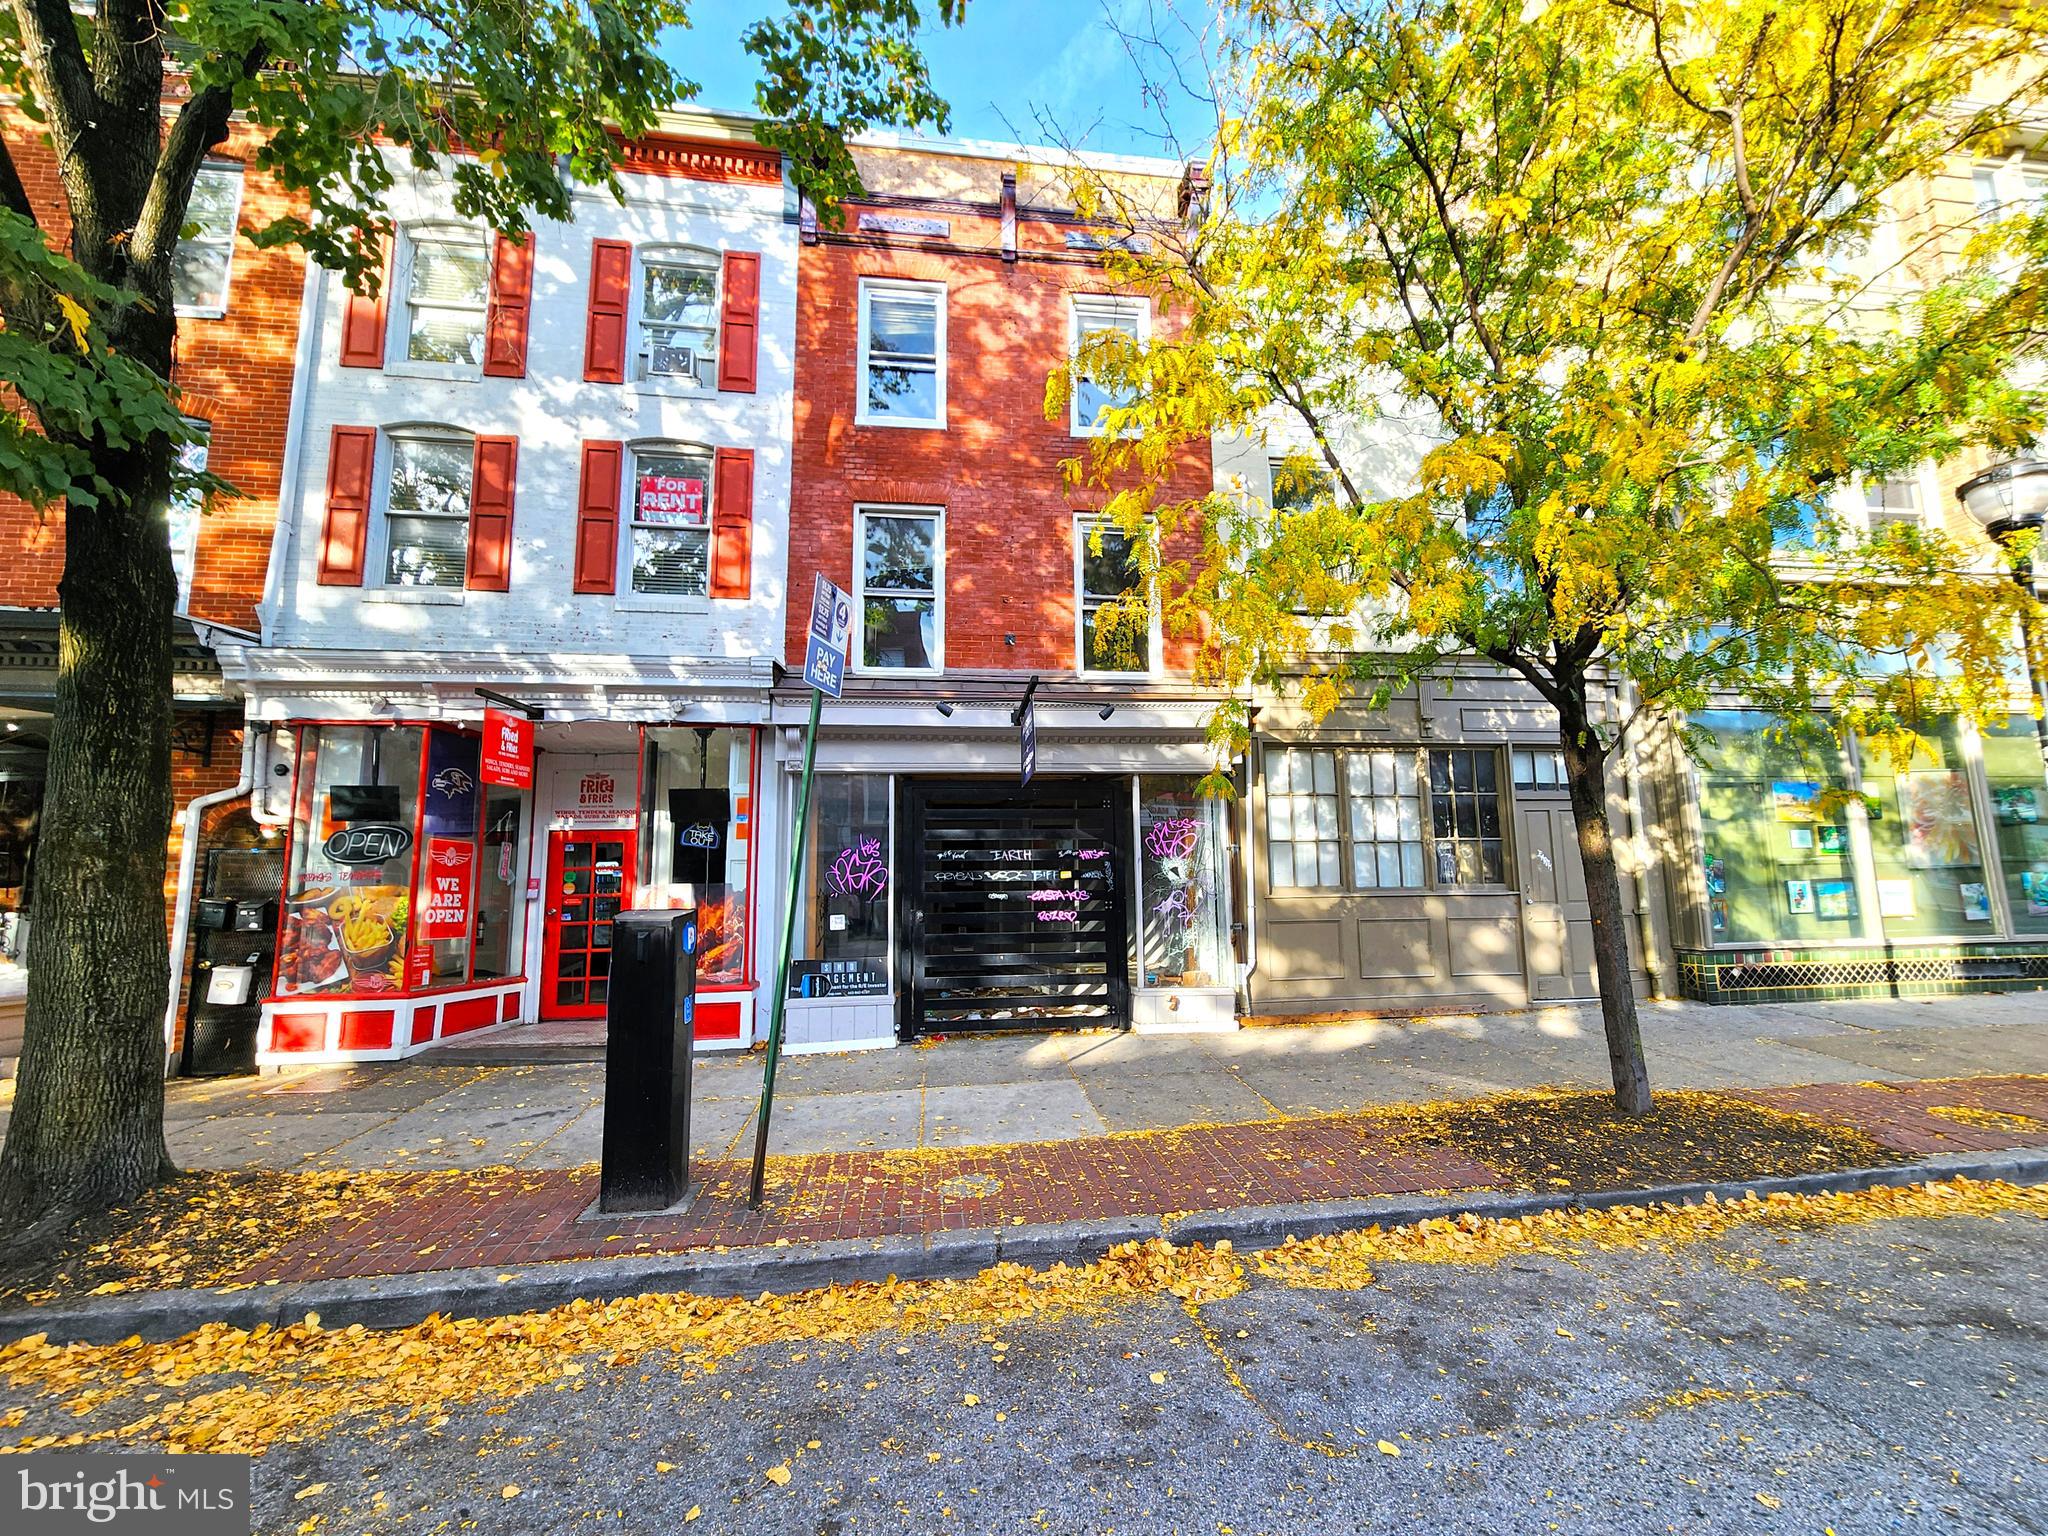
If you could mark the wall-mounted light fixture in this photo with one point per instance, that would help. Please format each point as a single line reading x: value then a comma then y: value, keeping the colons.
x: 1105, y: 712
x: 944, y: 708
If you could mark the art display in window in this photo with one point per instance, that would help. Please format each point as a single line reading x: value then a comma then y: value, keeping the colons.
x: 1795, y: 799
x: 1799, y: 895
x: 1180, y: 839
x: 1834, y: 900
x: 1976, y: 900
x: 1940, y: 829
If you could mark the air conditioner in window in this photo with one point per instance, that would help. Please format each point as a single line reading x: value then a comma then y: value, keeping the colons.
x: 671, y: 362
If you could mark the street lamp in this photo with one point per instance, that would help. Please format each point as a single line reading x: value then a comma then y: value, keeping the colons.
x: 2007, y: 499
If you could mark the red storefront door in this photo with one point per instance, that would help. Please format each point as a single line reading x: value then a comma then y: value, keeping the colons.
x: 590, y: 882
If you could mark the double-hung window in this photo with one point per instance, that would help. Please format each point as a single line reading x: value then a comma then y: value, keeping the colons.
x: 1095, y: 313
x: 447, y: 289
x: 1299, y: 483
x: 2015, y: 185
x: 206, y: 249
x: 426, y: 509
x: 902, y: 354
x: 679, y: 315
x: 671, y: 498
x: 1383, y: 818
x: 901, y: 579
x: 1889, y: 503
x: 1115, y: 618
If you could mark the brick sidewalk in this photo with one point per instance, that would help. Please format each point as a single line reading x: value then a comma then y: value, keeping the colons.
x: 505, y: 1218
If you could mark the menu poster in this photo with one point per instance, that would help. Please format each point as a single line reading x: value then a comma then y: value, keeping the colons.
x: 507, y: 750
x: 447, y: 888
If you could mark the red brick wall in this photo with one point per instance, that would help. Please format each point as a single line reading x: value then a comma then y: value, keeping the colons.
x: 995, y: 468
x: 236, y: 373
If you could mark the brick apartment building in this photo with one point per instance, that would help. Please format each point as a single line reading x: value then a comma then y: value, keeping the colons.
x: 941, y: 893
x: 238, y: 310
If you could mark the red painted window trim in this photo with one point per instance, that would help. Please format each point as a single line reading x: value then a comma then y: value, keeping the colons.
x: 597, y: 517
x: 345, y: 534
x: 611, y: 295
x: 511, y: 306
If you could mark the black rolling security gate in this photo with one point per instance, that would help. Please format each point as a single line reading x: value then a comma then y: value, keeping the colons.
x: 1014, y: 910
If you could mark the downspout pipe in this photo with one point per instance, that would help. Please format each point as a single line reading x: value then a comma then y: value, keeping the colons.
x: 303, y: 364
x: 188, y: 861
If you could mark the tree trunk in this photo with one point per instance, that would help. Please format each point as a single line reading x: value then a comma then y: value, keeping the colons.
x: 88, y: 1124
x: 1585, y: 762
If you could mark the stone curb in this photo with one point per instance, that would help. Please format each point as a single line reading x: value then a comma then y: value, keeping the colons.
x: 397, y: 1301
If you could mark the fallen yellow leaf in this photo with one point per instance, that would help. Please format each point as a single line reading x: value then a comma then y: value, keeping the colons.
x: 664, y: 1466
x: 509, y: 1491
x: 309, y: 1490
x: 1388, y: 1448
x: 971, y: 1400
x: 1768, y: 1502
x: 1159, y: 1378
x: 692, y: 1513
x: 778, y: 1475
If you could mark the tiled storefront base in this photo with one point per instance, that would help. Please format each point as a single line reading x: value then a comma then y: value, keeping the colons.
x: 1775, y: 974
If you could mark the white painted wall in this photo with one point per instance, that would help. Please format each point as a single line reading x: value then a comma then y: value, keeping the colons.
x: 553, y: 411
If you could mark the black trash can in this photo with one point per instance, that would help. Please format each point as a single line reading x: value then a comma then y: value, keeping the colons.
x: 650, y: 1015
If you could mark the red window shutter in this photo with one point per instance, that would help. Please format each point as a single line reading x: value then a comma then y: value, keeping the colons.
x: 362, y: 319
x: 732, y: 522
x: 351, y: 465
x: 739, y: 321
x: 597, y: 517
x: 611, y: 289
x: 492, y: 475
x: 511, y: 303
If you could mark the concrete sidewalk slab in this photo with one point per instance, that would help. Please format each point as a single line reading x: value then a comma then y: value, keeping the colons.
x: 849, y: 1122
x: 996, y: 1114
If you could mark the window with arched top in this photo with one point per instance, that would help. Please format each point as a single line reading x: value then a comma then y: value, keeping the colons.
x: 670, y: 495
x: 427, y: 495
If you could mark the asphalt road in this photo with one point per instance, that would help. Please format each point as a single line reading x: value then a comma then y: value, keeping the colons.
x: 1877, y: 1377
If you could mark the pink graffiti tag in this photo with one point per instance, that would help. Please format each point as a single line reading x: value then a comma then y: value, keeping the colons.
x: 1173, y: 837
x: 859, y: 871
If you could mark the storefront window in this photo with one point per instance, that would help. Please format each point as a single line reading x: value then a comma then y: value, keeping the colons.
x: 1776, y: 835
x: 348, y: 912
x: 2012, y: 767
x: 700, y: 808
x: 1924, y: 841
x: 1180, y: 859
x: 500, y: 914
x: 448, y: 827
x: 847, y: 881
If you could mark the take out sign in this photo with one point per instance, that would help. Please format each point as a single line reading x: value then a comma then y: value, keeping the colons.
x: 508, y: 750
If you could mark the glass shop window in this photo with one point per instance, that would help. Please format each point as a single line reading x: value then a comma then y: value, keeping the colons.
x: 1181, y: 838
x: 1303, y: 847
x: 700, y: 793
x: 847, y: 889
x: 348, y: 906
x: 1464, y: 806
x: 1925, y: 841
x: 449, y: 818
x: 1775, y: 831
x: 2012, y: 771
x: 500, y: 944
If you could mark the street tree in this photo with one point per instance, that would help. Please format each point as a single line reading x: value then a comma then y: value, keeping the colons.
x: 1648, y: 282
x: 129, y: 96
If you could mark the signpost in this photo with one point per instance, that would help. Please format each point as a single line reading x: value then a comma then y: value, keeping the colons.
x: 825, y: 671
x: 1025, y: 718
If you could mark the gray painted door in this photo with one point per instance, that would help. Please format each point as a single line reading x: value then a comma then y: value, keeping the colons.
x: 1558, y: 926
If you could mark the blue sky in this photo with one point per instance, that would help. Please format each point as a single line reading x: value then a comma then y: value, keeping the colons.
x: 1011, y: 63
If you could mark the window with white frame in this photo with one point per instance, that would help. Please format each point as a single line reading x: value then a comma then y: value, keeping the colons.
x: 1890, y: 503
x: 206, y: 247
x: 426, y: 509
x: 1299, y: 482
x: 902, y: 353
x: 1401, y: 818
x: 901, y: 581
x: 181, y: 513
x: 447, y: 289
x: 1115, y: 619
x: 671, y: 500
x: 679, y: 315
x: 1093, y: 314
x: 2015, y: 185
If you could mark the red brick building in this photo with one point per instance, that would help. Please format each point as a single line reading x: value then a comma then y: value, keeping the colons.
x: 239, y: 310
x: 942, y: 893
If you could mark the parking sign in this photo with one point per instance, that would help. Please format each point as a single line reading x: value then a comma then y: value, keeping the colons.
x: 831, y: 630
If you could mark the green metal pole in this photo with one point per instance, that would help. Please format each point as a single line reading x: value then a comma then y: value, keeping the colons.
x: 798, y: 838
